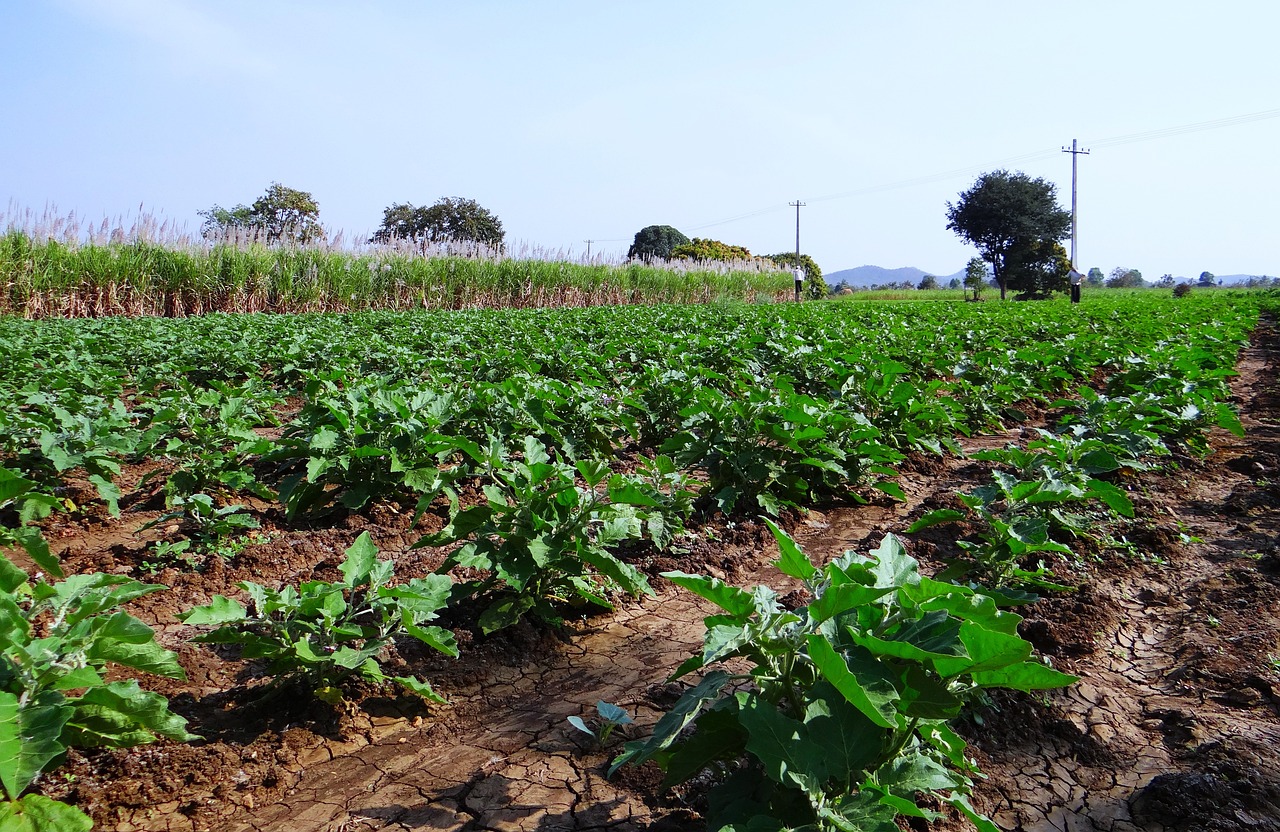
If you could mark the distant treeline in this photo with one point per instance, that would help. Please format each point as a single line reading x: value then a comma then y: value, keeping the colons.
x: 51, y: 277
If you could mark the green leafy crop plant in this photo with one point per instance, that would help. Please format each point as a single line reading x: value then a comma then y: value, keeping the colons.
x: 542, y: 540
x: 56, y: 640
x: 841, y: 721
x: 320, y: 633
x: 776, y: 448
x: 357, y: 440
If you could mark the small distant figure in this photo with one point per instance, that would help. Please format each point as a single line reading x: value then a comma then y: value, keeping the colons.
x: 1076, y: 279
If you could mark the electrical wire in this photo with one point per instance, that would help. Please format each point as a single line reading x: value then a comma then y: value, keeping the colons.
x: 1113, y: 141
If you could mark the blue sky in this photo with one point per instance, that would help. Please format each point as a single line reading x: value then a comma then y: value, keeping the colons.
x: 589, y: 120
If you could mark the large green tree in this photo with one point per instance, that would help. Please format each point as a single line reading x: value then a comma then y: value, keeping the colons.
x: 975, y: 276
x: 450, y: 219
x: 1123, y: 277
x: 1004, y: 212
x: 815, y: 288
x: 703, y: 249
x: 656, y: 242
x: 280, y: 215
x: 1037, y: 269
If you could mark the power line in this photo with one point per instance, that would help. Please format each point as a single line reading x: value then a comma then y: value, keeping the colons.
x: 1149, y: 135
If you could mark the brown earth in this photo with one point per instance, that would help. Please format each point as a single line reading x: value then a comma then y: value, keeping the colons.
x: 1174, y: 629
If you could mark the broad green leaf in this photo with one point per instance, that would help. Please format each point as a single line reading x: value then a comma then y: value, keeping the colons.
x: 1099, y: 461
x: 894, y: 567
x: 81, y: 677
x: 29, y: 738
x: 926, y: 696
x: 109, y: 492
x: 728, y: 598
x: 1114, y: 497
x: 961, y: 802
x: 37, y: 548
x: 891, y: 488
x: 421, y: 596
x: 718, y: 736
x: 11, y: 577
x: 724, y: 640
x: 914, y: 772
x: 849, y: 741
x: 934, y: 636
x: 980, y: 609
x: 779, y: 742
x: 839, y: 598
x: 629, y: 493
x: 360, y: 559
x: 861, y: 811
x: 37, y: 813
x: 221, y: 610
x: 792, y: 561
x: 869, y: 688
x: 593, y: 471
x: 940, y: 736
x: 1027, y: 676
x: 121, y: 714
x: 936, y: 518
x: 325, y: 439
x: 13, y: 484
x: 419, y: 687
x: 437, y: 637
x: 987, y: 649
x: 1227, y: 419
x: 622, y: 573
x: 505, y: 612
x: 462, y: 524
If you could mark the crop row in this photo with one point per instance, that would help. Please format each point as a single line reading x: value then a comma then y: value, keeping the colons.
x: 51, y: 278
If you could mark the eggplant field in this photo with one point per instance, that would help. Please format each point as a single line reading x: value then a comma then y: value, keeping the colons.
x: 754, y: 567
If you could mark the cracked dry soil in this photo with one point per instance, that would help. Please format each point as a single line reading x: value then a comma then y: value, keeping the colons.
x: 1174, y: 726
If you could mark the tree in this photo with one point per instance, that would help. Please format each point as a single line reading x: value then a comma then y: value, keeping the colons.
x: 1096, y: 277
x: 280, y: 215
x: 1037, y: 269
x: 449, y: 220
x: 954, y: 283
x: 1165, y: 281
x: 815, y: 287
x: 975, y: 276
x: 656, y: 242
x: 927, y: 282
x: 1207, y: 279
x: 1005, y: 210
x: 701, y: 249
x: 1125, y: 278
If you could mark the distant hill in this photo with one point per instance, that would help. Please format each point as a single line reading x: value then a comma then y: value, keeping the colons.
x: 866, y: 276
x: 875, y: 275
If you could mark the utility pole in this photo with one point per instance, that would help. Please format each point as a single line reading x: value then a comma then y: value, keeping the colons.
x: 799, y: 272
x: 1075, y: 152
x: 588, y: 242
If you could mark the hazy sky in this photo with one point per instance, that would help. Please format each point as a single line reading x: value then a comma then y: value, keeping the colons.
x: 589, y: 120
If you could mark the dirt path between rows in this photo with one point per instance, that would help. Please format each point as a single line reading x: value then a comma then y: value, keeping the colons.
x: 1174, y: 726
